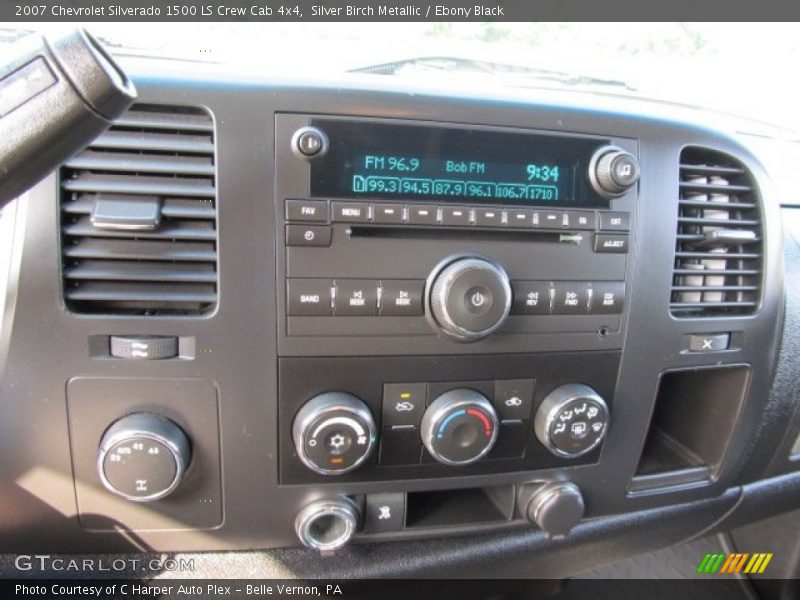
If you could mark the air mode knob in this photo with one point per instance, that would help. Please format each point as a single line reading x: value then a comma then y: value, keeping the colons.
x: 143, y: 457
x: 572, y: 420
x: 469, y: 297
x: 334, y: 433
x: 613, y: 171
x: 459, y: 427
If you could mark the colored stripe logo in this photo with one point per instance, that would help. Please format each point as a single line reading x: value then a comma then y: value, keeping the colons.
x: 736, y: 562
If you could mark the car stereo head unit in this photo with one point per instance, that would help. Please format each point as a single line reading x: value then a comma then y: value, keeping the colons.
x: 435, y: 233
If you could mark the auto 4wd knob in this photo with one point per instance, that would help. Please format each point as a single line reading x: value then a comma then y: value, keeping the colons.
x: 143, y: 457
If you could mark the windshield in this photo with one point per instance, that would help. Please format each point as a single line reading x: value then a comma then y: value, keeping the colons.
x: 746, y: 69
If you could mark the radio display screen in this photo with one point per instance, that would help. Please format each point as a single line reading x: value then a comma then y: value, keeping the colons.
x: 411, y: 162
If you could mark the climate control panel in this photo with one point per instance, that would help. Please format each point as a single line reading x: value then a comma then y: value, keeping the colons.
x: 367, y: 424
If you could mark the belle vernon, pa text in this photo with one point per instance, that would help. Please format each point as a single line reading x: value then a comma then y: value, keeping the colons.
x: 139, y: 590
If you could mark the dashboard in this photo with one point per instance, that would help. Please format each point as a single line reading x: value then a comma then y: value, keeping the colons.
x: 263, y: 314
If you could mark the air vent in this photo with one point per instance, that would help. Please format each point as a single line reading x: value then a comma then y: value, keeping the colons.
x: 138, y: 216
x: 719, y: 245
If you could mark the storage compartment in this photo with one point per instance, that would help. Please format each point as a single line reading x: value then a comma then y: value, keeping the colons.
x: 460, y: 507
x: 695, y: 414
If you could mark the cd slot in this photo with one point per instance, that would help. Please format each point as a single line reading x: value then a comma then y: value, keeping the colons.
x: 422, y: 232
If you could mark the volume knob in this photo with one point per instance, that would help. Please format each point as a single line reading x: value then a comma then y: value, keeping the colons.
x: 470, y: 297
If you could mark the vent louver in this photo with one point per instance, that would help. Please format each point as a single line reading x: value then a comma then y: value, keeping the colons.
x: 719, y: 245
x: 138, y: 216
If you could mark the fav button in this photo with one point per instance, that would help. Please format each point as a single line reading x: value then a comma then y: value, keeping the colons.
x: 356, y: 297
x: 401, y: 298
x: 307, y: 210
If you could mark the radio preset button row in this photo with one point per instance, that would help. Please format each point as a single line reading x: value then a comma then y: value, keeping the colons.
x: 354, y: 297
x: 317, y: 211
x: 568, y: 297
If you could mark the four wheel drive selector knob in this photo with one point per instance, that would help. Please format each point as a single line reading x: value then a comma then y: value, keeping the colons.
x: 334, y: 433
x: 143, y: 457
x: 468, y: 297
x: 459, y: 427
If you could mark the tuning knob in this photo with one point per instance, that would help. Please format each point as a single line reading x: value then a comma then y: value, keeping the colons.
x: 613, y: 171
x: 334, y: 433
x: 459, y: 427
x: 571, y: 420
x: 143, y: 457
x: 554, y: 507
x: 469, y: 297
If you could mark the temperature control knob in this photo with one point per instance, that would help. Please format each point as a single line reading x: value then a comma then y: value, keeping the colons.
x: 143, y: 457
x: 613, y: 171
x: 334, y: 433
x: 470, y: 297
x: 572, y: 420
x: 459, y: 427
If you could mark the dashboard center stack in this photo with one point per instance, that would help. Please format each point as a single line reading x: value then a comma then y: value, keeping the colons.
x: 479, y: 278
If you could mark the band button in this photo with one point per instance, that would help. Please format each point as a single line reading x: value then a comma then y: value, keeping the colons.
x: 308, y: 297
